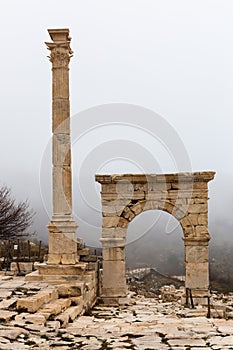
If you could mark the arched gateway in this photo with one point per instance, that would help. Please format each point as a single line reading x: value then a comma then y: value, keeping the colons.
x: 183, y: 195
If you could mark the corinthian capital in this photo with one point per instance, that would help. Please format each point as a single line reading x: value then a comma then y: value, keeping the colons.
x: 60, y: 47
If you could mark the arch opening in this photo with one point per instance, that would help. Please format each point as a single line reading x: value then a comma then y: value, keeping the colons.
x: 154, y: 239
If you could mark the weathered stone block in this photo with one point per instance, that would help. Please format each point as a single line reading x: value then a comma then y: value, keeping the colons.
x: 141, y: 187
x: 194, y: 219
x: 7, y: 303
x: 167, y: 206
x: 6, y: 315
x: 33, y: 303
x: 36, y: 318
x: 69, y: 259
x: 54, y: 308
x: 62, y: 243
x: 124, y: 187
x: 70, y: 314
x: 61, y: 149
x: 114, y: 280
x: 128, y: 214
x: 200, y: 200
x: 149, y: 205
x: 62, y: 270
x: 110, y: 221
x: 114, y: 232
x: 123, y: 222
x: 61, y: 122
x: 159, y: 186
x: 200, y: 185
x: 114, y: 242
x: 156, y: 195
x: 54, y: 259
x: 182, y: 185
x: 62, y: 190
x: 24, y: 267
x: 185, y: 221
x: 108, y: 188
x: 198, y: 208
x: 109, y: 197
x: 77, y: 300
x: 197, y: 275
x: 111, y: 210
x: 189, y: 231
x: 178, y: 213
x: 116, y: 292
x: 137, y: 208
x: 203, y: 219
x: 114, y: 253
x: 196, y: 254
x: 68, y: 290
x: 180, y: 202
x: 201, y: 231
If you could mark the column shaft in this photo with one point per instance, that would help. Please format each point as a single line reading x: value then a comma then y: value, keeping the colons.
x: 62, y: 228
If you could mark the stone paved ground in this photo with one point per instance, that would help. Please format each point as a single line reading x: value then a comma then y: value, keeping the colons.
x: 146, y: 324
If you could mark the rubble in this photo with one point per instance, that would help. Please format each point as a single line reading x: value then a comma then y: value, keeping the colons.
x: 161, y: 322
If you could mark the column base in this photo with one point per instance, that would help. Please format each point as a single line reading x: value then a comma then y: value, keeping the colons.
x: 54, y: 273
x: 115, y: 301
x: 199, y: 296
x: 63, y: 242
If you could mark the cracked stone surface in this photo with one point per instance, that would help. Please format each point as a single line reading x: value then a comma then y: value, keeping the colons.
x: 148, y: 323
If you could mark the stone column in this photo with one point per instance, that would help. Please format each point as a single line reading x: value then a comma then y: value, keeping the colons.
x: 114, y: 274
x: 197, y: 266
x: 62, y: 228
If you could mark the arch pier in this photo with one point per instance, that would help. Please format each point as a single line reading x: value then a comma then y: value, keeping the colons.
x: 183, y: 195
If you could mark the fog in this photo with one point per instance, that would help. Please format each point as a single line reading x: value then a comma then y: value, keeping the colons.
x: 170, y: 59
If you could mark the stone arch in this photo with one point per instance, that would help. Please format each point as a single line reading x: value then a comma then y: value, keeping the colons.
x: 183, y: 195
x: 132, y: 210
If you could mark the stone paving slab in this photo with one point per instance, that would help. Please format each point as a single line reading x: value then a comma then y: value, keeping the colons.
x: 146, y: 324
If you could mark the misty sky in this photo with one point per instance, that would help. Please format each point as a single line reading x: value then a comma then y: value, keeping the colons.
x: 173, y: 57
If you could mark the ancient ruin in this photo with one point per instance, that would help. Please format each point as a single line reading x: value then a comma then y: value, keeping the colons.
x: 62, y: 228
x: 41, y: 310
x: 64, y: 265
x: 183, y: 195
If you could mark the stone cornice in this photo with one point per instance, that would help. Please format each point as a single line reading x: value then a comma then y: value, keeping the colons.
x: 204, y: 176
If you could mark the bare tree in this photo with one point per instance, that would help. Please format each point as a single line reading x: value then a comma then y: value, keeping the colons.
x: 15, y: 219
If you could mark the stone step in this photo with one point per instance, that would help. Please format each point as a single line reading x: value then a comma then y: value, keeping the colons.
x: 58, y: 280
x: 196, y: 313
x: 62, y: 270
x: 77, y: 300
x: 54, y: 279
x: 54, y: 308
x: 90, y: 277
x: 33, y: 303
x: 27, y: 318
x: 70, y: 314
x: 71, y: 290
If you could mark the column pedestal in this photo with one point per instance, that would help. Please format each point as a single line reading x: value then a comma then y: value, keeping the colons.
x: 62, y: 242
x: 197, y: 268
x: 113, y: 286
